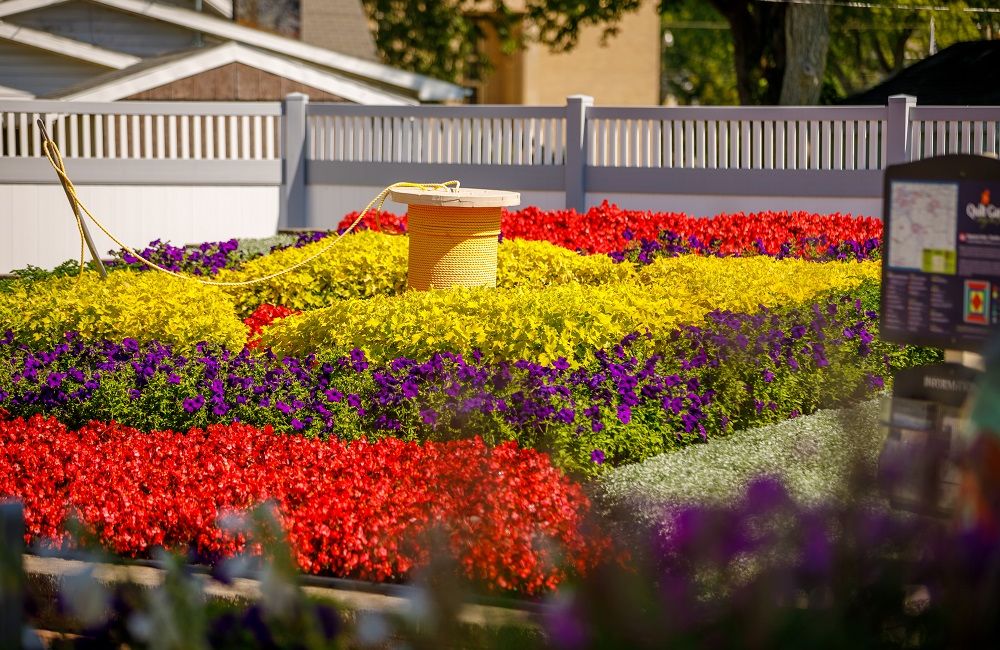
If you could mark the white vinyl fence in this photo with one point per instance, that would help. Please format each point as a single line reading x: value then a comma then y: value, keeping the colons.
x: 195, y: 171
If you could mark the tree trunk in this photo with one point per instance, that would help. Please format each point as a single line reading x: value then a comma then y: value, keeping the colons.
x: 807, y: 39
x: 758, y: 47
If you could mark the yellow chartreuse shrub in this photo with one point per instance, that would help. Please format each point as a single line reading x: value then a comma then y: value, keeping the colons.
x: 145, y: 306
x: 742, y: 284
x: 538, y: 263
x: 361, y: 265
x: 525, y: 322
x: 368, y: 264
x: 569, y: 320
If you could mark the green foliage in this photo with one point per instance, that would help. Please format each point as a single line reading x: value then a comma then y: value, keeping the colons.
x: 869, y: 44
x: 698, y: 56
x: 441, y: 39
x: 25, y: 276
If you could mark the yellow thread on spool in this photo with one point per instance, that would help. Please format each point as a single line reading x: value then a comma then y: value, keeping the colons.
x: 453, y: 236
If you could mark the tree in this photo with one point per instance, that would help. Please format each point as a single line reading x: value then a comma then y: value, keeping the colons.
x: 278, y: 16
x: 871, y: 44
x: 441, y: 38
x: 807, y: 39
x: 770, y: 51
x: 758, y: 33
x: 697, y: 59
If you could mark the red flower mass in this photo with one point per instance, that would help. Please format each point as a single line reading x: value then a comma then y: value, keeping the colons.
x: 601, y: 229
x: 263, y: 316
x: 361, y: 510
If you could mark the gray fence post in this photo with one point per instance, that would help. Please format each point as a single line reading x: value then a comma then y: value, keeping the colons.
x: 293, y: 178
x: 11, y: 573
x: 576, y: 153
x: 898, y: 129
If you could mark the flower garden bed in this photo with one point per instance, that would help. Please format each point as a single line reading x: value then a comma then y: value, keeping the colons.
x: 367, y: 412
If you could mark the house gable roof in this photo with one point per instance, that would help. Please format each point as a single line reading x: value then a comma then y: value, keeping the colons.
x: 160, y: 71
x: 14, y: 93
x: 394, y: 82
x: 10, y: 7
x: 66, y: 46
x: 422, y: 87
x: 961, y: 74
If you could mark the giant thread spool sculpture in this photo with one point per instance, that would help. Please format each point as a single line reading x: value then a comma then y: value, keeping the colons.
x: 453, y: 235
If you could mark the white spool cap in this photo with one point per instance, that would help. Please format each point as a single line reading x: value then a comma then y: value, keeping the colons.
x: 465, y: 197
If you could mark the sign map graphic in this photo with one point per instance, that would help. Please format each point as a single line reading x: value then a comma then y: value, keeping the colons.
x: 922, y: 231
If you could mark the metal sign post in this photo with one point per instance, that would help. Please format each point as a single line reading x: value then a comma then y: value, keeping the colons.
x: 940, y: 288
x: 73, y: 203
x: 11, y: 574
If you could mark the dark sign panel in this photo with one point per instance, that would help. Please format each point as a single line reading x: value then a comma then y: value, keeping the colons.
x: 941, y: 257
x: 924, y: 421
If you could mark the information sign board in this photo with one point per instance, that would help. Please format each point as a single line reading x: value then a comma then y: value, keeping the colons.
x: 941, y: 252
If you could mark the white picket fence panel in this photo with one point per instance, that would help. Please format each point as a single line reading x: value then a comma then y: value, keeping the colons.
x: 772, y: 138
x: 143, y: 130
x: 462, y: 135
x: 939, y: 130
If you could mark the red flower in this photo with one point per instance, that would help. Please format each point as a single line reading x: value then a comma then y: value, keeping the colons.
x: 363, y: 510
x: 262, y: 317
x: 601, y: 229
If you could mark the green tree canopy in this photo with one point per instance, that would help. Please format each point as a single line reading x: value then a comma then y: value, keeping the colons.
x: 441, y: 38
x: 867, y: 44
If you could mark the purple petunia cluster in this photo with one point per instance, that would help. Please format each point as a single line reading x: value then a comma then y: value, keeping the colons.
x: 671, y: 244
x: 207, y: 258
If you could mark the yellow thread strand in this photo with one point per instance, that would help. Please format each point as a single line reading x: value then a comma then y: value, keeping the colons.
x: 55, y: 159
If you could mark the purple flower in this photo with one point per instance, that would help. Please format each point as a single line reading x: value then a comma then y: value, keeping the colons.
x: 429, y: 417
x: 192, y: 404
x: 624, y: 414
x: 597, y: 456
x: 410, y: 389
x: 875, y: 382
x: 768, y: 376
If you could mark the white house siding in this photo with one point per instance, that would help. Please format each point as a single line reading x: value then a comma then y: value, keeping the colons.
x: 36, y: 225
x: 108, y: 28
x: 40, y: 72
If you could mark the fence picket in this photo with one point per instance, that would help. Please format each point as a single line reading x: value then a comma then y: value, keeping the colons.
x: 74, y: 135
x: 723, y: 132
x: 756, y: 144
x: 196, y: 141
x: 774, y: 144
x: 862, y: 146
x: 99, y: 138
x: 172, y: 136
x: 745, y: 152
x: 688, y: 143
x: 85, y: 139
x: 736, y: 142
x: 24, y: 135
x: 9, y: 132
